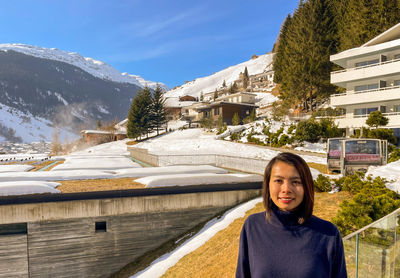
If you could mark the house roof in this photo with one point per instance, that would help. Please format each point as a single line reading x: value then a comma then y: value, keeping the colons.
x: 95, y: 131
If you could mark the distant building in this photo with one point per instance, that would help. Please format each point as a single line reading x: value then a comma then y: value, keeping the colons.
x: 187, y: 98
x: 93, y: 137
x: 226, y: 106
x: 371, y: 77
x: 262, y: 81
x: 174, y: 107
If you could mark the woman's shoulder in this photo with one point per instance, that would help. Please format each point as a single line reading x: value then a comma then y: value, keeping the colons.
x: 323, y: 226
x: 255, y: 218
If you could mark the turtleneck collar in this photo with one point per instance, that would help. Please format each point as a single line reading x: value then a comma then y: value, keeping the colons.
x: 289, y: 219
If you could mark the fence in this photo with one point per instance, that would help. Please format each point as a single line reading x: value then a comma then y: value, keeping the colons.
x: 251, y: 165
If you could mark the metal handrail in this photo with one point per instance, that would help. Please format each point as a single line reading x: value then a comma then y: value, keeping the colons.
x: 367, y: 66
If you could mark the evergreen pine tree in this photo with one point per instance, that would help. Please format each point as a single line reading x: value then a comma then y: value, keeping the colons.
x: 245, y: 78
x: 159, y: 115
x: 235, y: 119
x: 215, y: 94
x: 302, y: 64
x: 224, y: 84
x: 140, y: 116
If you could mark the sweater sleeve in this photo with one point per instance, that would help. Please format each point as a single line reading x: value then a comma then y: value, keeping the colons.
x: 339, y: 263
x: 243, y: 267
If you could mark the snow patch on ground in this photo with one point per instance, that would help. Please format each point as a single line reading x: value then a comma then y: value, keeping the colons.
x: 198, y: 179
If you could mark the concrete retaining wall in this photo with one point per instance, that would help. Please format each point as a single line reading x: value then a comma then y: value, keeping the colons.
x: 201, y: 159
x: 250, y: 165
x: 143, y: 155
x: 70, y: 236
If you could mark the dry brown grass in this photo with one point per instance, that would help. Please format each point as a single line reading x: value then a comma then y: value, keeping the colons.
x: 72, y: 186
x: 320, y: 167
x: 218, y: 256
x: 130, y: 143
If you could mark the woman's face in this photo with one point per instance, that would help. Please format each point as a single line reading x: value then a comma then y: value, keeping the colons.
x: 285, y: 186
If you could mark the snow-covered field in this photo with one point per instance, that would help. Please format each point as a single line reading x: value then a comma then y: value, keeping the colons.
x: 195, y: 141
x: 111, y: 160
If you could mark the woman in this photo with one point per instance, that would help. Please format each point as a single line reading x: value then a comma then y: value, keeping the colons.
x: 286, y: 240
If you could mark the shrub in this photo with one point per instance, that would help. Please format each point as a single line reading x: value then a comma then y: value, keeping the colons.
x: 206, y: 122
x: 234, y: 136
x: 394, y: 155
x: 236, y: 119
x: 329, y: 129
x: 322, y: 184
x: 379, y: 133
x: 371, y: 201
x: 308, y: 130
x: 291, y: 128
x: 376, y: 119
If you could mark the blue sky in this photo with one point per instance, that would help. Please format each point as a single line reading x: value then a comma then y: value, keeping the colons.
x: 168, y: 41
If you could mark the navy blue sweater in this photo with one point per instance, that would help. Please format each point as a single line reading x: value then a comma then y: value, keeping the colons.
x: 281, y: 247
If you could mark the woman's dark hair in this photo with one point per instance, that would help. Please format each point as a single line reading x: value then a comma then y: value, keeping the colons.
x: 305, y: 209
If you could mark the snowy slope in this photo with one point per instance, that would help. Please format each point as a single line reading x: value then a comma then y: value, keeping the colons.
x: 94, y: 67
x: 30, y: 128
x: 210, y: 83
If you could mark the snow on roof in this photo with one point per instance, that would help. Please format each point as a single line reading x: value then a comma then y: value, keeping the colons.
x: 96, y: 131
x: 197, y: 179
x: 15, y: 168
x: 171, y: 102
x: 27, y: 187
x: 170, y: 170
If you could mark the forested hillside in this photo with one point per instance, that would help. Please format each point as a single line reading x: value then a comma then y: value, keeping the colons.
x: 318, y: 29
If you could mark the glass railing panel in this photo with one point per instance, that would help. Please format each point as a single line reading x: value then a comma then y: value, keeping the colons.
x: 350, y: 251
x: 374, y: 251
x: 396, y: 249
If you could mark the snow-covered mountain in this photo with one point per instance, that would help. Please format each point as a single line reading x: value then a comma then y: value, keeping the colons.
x: 41, y: 88
x: 94, y: 67
x: 209, y: 83
x: 17, y: 126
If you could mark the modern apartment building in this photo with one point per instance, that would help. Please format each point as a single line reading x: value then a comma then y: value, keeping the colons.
x: 371, y: 77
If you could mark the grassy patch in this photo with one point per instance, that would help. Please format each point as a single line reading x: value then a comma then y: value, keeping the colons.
x: 71, y: 186
x: 130, y: 143
x: 217, y: 257
x: 320, y: 167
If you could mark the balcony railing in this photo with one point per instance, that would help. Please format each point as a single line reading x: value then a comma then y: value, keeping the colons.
x: 367, y: 66
x: 367, y: 91
x: 384, y: 114
x: 374, y: 251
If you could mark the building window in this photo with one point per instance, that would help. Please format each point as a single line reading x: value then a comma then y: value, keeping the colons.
x: 372, y: 109
x: 366, y: 87
x: 216, y: 111
x: 397, y: 83
x: 360, y: 111
x: 13, y: 229
x: 101, y: 226
x: 366, y: 63
x: 396, y: 108
x: 397, y: 56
